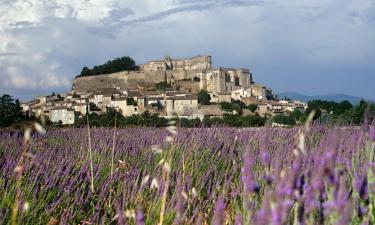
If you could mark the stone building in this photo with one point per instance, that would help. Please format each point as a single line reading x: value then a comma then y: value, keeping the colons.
x: 180, y: 106
x: 225, y: 80
x: 63, y: 115
x: 200, y: 62
x: 259, y: 91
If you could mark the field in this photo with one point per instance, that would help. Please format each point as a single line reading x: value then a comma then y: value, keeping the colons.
x: 321, y: 175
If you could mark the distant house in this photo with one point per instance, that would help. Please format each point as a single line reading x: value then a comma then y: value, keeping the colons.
x: 179, y: 106
x: 220, y: 97
x: 120, y: 104
x: 259, y: 91
x: 241, y: 93
x: 80, y: 107
x: 63, y: 114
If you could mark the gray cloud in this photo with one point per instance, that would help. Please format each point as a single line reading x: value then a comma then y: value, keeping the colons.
x: 114, y: 22
x: 116, y: 15
x: 201, y: 6
x: 304, y: 46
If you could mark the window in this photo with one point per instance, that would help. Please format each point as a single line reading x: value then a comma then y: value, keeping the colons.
x: 237, y: 81
x: 227, y: 78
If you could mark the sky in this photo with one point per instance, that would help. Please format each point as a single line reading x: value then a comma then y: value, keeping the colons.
x: 307, y: 46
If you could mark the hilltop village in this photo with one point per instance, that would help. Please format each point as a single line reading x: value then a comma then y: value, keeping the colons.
x: 172, y: 88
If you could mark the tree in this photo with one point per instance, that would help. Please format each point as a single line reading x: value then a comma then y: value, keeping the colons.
x: 86, y: 71
x: 111, y: 66
x: 203, y: 97
x: 253, y: 121
x: 59, y: 97
x: 286, y: 120
x: 226, y: 106
x: 162, y: 86
x: 93, y: 107
x: 131, y: 101
x: 10, y: 111
x: 252, y: 107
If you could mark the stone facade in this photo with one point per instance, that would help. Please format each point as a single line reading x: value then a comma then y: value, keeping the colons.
x: 215, y: 80
x: 180, y: 106
x: 63, y: 115
x: 125, y: 80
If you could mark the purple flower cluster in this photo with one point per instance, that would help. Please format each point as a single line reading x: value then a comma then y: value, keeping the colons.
x: 217, y: 176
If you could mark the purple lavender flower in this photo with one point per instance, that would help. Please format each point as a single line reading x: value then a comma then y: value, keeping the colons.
x: 372, y: 133
x: 218, y: 218
x: 140, y: 220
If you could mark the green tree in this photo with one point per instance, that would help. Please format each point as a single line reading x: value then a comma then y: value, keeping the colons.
x: 282, y: 119
x: 162, y: 86
x: 131, y: 101
x: 10, y: 111
x: 111, y: 66
x: 253, y: 121
x: 226, y: 106
x: 86, y: 71
x: 252, y: 107
x: 203, y: 97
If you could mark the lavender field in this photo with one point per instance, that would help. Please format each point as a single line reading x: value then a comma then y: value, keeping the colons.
x: 322, y: 175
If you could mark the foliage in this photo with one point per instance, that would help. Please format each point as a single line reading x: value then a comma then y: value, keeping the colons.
x: 203, y: 97
x: 111, y: 66
x: 183, y: 122
x: 235, y: 120
x: 108, y: 120
x: 162, y: 86
x: 93, y: 107
x: 252, y: 108
x: 232, y: 106
x: 282, y: 119
x: 344, y: 112
x: 10, y: 111
x: 131, y: 101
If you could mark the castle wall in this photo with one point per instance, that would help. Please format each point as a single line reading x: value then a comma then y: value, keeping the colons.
x: 125, y: 79
x: 192, y: 87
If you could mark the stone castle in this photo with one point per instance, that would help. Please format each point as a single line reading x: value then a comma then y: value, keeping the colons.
x: 191, y: 74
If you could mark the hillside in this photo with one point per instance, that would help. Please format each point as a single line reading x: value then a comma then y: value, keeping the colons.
x: 330, y: 97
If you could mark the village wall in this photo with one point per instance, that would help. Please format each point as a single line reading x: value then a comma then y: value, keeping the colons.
x: 125, y: 79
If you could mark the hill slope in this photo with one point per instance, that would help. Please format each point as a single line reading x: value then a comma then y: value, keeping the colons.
x: 330, y: 97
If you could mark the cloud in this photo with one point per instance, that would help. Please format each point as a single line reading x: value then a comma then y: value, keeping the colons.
x: 45, y: 43
x: 5, y: 54
x: 115, y: 21
x: 196, y: 6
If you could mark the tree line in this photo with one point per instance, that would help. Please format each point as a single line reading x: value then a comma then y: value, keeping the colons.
x: 325, y: 112
x: 148, y: 119
x: 111, y: 66
x: 10, y: 111
x: 331, y: 112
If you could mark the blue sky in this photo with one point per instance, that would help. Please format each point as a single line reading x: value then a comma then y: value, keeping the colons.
x: 307, y: 46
